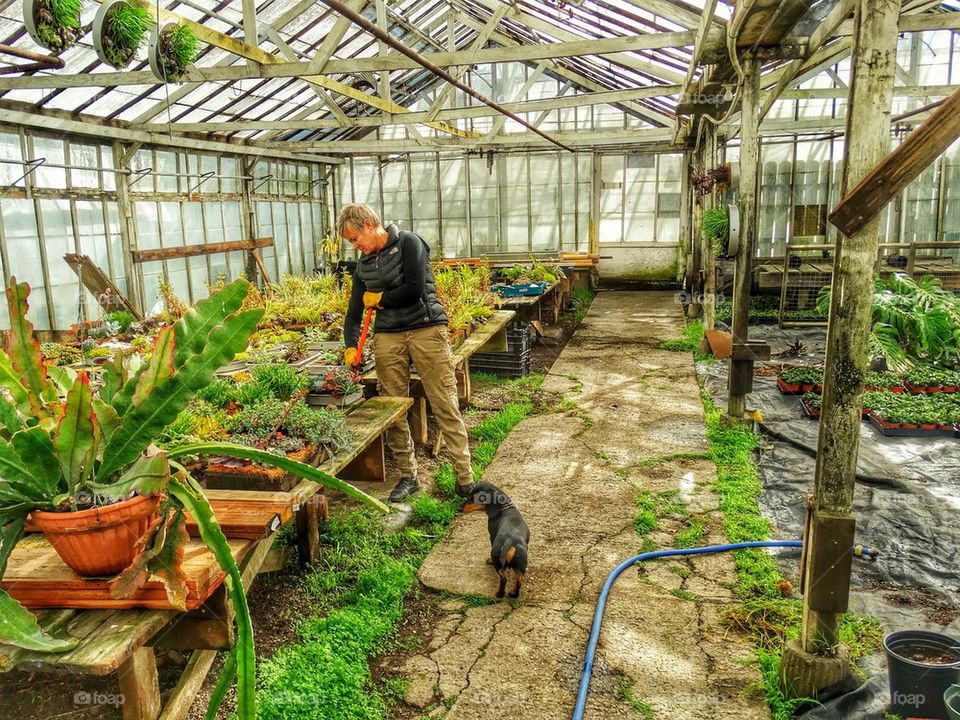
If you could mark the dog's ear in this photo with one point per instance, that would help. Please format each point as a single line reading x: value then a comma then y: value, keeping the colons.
x: 471, y: 507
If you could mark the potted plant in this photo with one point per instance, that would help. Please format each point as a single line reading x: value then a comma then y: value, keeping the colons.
x: 921, y: 666
x: 951, y: 700
x: 172, y: 49
x: 886, y: 380
x: 291, y: 429
x: 811, y: 404
x: 339, y: 386
x: 83, y: 464
x: 53, y: 24
x: 118, y: 32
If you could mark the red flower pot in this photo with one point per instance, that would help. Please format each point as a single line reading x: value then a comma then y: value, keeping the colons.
x: 99, y: 541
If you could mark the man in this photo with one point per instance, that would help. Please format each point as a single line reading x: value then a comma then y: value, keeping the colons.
x: 393, y: 275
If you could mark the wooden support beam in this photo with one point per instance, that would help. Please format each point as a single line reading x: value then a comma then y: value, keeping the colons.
x: 899, y: 168
x: 814, y: 662
x: 459, y: 113
x: 747, y: 201
x: 185, y: 251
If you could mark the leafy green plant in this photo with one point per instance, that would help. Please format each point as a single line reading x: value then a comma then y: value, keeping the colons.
x: 121, y: 318
x: 914, y: 321
x: 282, y: 381
x: 802, y: 376
x: 464, y: 293
x: 339, y: 382
x: 715, y: 226
x: 91, y: 448
x: 124, y: 30
x: 58, y: 22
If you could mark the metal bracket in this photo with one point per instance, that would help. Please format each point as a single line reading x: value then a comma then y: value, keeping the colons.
x: 138, y: 175
x: 203, y: 178
x: 263, y: 179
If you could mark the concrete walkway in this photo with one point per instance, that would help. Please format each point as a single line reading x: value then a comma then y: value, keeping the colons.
x: 574, y: 477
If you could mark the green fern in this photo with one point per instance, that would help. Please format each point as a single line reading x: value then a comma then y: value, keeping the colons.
x: 716, y: 227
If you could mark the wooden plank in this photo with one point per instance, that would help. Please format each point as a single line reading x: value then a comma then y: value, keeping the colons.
x: 140, y: 685
x: 239, y: 516
x: 366, y: 424
x: 418, y: 420
x: 184, y: 694
x: 109, y: 638
x: 99, y: 284
x: 185, y: 251
x: 482, y: 335
x: 38, y: 578
x: 899, y: 168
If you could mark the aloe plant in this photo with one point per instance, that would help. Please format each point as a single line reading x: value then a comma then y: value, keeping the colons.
x: 62, y: 445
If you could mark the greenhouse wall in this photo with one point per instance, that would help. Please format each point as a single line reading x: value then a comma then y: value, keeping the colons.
x: 60, y: 196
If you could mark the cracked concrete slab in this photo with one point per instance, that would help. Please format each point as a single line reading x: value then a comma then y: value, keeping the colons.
x: 576, y: 478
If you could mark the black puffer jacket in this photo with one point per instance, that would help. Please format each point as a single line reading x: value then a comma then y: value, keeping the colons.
x: 401, y: 271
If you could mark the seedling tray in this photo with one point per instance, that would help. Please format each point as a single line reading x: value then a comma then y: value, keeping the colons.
x: 343, y: 402
x: 224, y: 473
x: 810, y: 411
x: 892, y: 430
x: 928, y: 388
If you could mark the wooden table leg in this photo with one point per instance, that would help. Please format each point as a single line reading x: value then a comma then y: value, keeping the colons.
x: 463, y: 382
x: 369, y: 465
x: 189, y: 685
x: 418, y: 420
x: 308, y: 530
x: 140, y: 686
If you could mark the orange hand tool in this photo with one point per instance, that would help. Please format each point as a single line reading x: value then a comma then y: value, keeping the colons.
x: 363, y: 335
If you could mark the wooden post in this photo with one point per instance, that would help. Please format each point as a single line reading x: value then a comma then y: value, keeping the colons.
x: 709, y: 261
x: 128, y: 224
x: 247, y: 217
x: 817, y: 661
x: 749, y: 164
x: 140, y: 685
x: 689, y: 217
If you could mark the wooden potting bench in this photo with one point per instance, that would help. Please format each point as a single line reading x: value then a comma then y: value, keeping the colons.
x: 489, y: 337
x: 123, y: 641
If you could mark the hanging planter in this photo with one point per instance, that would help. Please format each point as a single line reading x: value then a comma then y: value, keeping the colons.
x: 53, y: 24
x: 721, y: 226
x: 118, y: 31
x: 172, y: 49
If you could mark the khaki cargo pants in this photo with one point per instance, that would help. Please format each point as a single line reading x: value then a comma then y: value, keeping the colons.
x: 430, y: 351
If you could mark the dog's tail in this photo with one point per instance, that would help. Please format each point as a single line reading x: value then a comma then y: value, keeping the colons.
x: 507, y: 554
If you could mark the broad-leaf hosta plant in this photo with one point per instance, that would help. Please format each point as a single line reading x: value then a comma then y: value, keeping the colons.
x: 65, y: 446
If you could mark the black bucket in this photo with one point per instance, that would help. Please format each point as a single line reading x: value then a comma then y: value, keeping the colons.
x: 917, y: 687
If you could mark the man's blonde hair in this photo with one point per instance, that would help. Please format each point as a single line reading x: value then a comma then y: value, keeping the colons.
x: 354, y: 215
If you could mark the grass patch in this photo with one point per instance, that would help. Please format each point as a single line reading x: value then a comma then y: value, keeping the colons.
x: 770, y: 619
x: 689, y: 342
x: 653, y: 507
x: 691, y: 536
x: 685, y: 595
x: 358, y: 589
x: 640, y: 707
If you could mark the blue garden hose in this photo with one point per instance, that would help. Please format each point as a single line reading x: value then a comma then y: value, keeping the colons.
x: 860, y: 551
x: 612, y: 578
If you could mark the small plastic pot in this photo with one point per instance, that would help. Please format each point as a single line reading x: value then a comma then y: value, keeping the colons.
x: 951, y: 700
x: 918, y: 686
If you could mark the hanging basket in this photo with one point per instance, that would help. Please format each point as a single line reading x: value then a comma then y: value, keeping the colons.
x: 43, y: 31
x: 164, y: 66
x: 102, y: 40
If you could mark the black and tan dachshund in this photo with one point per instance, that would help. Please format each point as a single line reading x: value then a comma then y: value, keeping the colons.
x: 509, y: 534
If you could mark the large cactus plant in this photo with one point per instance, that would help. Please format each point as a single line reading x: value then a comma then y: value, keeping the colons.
x: 62, y: 442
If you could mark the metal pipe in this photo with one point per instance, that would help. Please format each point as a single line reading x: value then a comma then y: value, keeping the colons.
x: 402, y: 48
x: 48, y: 60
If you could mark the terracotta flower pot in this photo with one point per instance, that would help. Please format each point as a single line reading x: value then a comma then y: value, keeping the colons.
x: 99, y: 541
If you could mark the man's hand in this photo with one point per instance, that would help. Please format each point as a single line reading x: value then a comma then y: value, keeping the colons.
x: 372, y: 299
x: 350, y: 357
